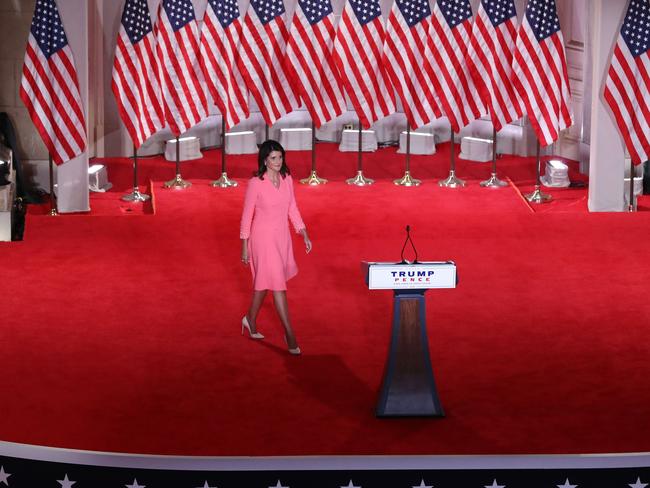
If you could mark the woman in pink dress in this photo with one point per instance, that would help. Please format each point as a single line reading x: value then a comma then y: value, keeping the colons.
x: 266, y: 241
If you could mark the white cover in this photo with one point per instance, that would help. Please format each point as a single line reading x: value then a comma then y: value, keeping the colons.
x: 476, y: 149
x: 350, y: 141
x: 296, y: 139
x: 190, y: 149
x: 243, y: 142
x: 421, y: 143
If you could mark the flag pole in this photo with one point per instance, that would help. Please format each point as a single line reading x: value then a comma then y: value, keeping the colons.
x: 178, y: 183
x: 360, y: 179
x: 406, y: 180
x: 266, y: 132
x: 313, y: 179
x: 53, y: 200
x: 537, y: 196
x: 135, y: 195
x: 494, y: 181
x: 224, y: 181
x: 452, y: 181
x: 630, y: 207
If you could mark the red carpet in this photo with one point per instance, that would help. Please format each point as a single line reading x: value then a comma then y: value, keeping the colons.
x: 122, y: 333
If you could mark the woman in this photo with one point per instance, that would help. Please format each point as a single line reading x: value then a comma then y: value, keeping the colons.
x: 266, y: 240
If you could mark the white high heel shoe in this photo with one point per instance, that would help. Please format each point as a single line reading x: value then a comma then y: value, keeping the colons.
x: 295, y: 351
x: 246, y: 325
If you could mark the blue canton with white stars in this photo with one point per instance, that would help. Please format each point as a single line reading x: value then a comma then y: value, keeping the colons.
x: 365, y: 10
x: 455, y: 11
x: 636, y: 27
x: 542, y: 17
x: 315, y: 10
x: 267, y: 10
x: 136, y: 20
x: 499, y: 10
x: 225, y: 10
x: 414, y: 11
x: 179, y: 12
x: 47, y: 28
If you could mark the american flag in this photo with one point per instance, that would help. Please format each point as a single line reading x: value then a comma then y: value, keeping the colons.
x: 627, y: 89
x: 310, y: 63
x: 220, y: 44
x: 183, y: 87
x: 490, y: 59
x: 408, y: 60
x: 135, y: 74
x: 261, y: 59
x: 540, y: 71
x: 358, y: 53
x: 451, y: 25
x: 49, y: 86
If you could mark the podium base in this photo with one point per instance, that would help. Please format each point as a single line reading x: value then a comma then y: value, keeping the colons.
x: 408, y: 388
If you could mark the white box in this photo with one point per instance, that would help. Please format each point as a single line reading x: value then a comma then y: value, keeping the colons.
x: 242, y: 142
x: 98, y: 178
x: 350, y: 141
x: 476, y: 149
x: 295, y: 139
x: 557, y: 174
x: 421, y: 143
x: 190, y: 148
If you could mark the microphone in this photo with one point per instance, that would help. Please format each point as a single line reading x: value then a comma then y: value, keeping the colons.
x: 415, y: 251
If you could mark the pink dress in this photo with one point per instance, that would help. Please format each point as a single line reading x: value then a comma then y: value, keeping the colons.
x: 264, y: 223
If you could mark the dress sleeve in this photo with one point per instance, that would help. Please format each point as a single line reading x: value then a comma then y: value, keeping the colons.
x: 249, y: 209
x: 294, y: 213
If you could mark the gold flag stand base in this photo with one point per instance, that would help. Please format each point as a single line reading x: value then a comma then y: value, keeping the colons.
x: 359, y: 180
x: 452, y: 181
x: 224, y: 182
x: 538, y: 197
x: 135, y: 196
x: 313, y: 180
x: 406, y: 180
x: 493, y: 182
x: 177, y: 183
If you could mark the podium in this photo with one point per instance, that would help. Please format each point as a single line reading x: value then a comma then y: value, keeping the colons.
x: 408, y: 387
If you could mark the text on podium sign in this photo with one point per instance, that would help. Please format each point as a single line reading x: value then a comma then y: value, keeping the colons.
x: 390, y: 276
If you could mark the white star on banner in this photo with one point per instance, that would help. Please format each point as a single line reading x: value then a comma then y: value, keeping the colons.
x: 278, y: 485
x: 567, y: 485
x: 350, y: 485
x: 638, y: 483
x: 495, y: 485
x: 422, y: 485
x: 65, y: 482
x: 4, y: 475
x: 205, y: 485
x: 135, y: 484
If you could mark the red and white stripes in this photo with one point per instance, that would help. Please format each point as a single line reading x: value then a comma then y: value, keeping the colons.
x: 490, y: 61
x: 311, y: 67
x: 219, y: 52
x: 541, y: 79
x: 261, y: 64
x: 454, y: 85
x: 135, y: 86
x: 408, y: 61
x: 50, y: 91
x: 358, y: 53
x: 181, y: 79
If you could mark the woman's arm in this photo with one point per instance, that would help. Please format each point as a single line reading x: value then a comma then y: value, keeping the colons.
x: 247, y: 217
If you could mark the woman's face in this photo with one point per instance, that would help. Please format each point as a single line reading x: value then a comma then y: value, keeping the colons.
x: 274, y: 161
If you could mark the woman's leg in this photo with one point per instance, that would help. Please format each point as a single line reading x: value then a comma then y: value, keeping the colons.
x: 256, y: 304
x: 281, y: 305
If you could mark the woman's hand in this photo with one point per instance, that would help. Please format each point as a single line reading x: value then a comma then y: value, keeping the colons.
x: 244, y: 251
x: 307, y: 240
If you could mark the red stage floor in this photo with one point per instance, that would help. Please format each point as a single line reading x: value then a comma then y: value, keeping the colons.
x: 122, y: 333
